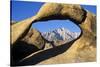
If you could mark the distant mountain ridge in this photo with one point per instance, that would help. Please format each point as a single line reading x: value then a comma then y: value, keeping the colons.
x: 60, y: 34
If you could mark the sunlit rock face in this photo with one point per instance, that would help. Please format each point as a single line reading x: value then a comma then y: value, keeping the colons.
x: 61, y: 11
x: 20, y: 29
x: 55, y: 11
x: 34, y: 37
x: 82, y: 49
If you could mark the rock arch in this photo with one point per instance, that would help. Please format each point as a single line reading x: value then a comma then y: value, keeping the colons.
x: 83, y: 49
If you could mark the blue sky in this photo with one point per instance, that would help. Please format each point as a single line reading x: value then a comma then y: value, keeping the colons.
x: 21, y: 10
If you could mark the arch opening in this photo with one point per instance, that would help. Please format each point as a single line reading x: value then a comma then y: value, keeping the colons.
x: 58, y: 31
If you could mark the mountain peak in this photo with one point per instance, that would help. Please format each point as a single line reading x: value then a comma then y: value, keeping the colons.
x: 62, y: 29
x: 60, y: 34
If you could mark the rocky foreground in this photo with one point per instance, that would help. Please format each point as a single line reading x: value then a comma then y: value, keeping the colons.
x: 28, y: 45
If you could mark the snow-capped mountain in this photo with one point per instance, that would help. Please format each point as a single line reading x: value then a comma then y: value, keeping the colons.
x: 60, y: 34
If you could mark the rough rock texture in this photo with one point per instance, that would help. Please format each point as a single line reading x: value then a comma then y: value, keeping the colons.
x: 61, y: 11
x: 20, y: 29
x: 32, y: 42
x: 34, y: 37
x: 82, y: 49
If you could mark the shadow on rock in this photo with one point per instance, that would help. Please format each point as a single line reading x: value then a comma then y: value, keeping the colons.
x: 46, y: 54
x: 20, y: 50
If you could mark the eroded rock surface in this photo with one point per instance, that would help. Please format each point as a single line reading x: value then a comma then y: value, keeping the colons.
x: 34, y: 37
x: 61, y: 11
x: 32, y: 42
x: 82, y: 49
x: 20, y: 29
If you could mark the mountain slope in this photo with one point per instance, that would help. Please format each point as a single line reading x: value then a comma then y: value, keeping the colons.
x: 61, y: 34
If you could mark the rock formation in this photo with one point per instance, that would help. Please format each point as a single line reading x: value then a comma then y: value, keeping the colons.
x: 20, y: 29
x: 31, y: 43
x: 61, y: 11
x: 34, y: 37
x: 82, y: 49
